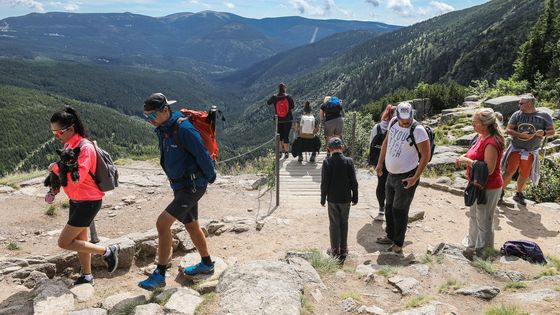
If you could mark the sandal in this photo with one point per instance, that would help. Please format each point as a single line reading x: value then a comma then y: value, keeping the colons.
x: 383, y: 240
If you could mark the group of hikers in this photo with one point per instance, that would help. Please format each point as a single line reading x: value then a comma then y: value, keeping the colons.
x: 402, y: 149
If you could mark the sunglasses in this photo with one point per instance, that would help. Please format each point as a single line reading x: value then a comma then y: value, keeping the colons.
x: 59, y: 132
x: 153, y: 115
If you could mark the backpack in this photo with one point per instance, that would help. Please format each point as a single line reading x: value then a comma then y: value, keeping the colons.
x: 307, y: 124
x: 526, y: 250
x: 106, y: 174
x: 205, y: 124
x: 282, y: 107
x: 429, y: 131
x: 375, y: 146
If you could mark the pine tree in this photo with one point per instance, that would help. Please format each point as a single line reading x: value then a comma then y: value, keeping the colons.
x: 537, y: 53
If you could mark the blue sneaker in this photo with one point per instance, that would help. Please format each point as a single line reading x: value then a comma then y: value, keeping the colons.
x: 198, y: 269
x: 155, y: 280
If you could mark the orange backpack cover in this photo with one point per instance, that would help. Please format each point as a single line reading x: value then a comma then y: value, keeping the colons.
x: 206, y: 126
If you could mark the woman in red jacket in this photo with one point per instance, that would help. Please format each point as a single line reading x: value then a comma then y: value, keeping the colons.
x: 85, y: 197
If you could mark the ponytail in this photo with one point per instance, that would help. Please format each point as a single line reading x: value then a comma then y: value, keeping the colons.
x: 69, y: 118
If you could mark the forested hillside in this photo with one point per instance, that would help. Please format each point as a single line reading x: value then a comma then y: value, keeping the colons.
x: 121, y: 88
x: 27, y: 142
x: 476, y: 43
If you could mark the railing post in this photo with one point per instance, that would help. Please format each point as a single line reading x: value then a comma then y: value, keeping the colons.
x: 277, y: 159
x: 353, y: 139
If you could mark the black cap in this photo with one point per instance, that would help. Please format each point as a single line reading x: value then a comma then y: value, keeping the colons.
x: 157, y: 101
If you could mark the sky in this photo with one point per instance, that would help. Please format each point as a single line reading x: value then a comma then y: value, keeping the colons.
x: 398, y: 12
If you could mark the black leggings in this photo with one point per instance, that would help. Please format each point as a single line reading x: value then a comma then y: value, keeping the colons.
x: 284, y: 128
x: 380, y: 190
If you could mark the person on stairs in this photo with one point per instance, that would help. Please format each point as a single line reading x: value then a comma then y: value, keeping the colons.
x: 307, y: 140
x: 189, y: 168
x: 283, y: 106
x: 339, y: 187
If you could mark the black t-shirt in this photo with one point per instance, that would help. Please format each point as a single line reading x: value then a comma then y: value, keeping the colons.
x: 332, y: 111
x: 272, y: 101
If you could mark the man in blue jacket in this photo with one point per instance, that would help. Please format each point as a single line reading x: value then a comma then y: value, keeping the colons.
x: 189, y: 168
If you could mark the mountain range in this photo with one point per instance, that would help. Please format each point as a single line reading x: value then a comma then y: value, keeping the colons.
x: 213, y: 58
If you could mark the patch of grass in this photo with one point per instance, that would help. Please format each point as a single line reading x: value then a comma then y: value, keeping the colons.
x: 427, y: 259
x: 321, y: 262
x: 306, y: 307
x: 490, y: 253
x: 553, y: 261
x: 155, y: 292
x: 547, y: 272
x: 516, y: 285
x: 51, y: 211
x: 387, y: 271
x: 450, y: 286
x: 351, y: 294
x: 418, y: 300
x: 65, y: 204
x: 13, y: 180
x: 504, y: 310
x: 207, y: 298
x: 485, y: 265
x: 13, y: 246
x: 440, y: 258
x: 558, y: 289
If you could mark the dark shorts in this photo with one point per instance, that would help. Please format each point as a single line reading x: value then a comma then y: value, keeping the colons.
x: 184, y: 206
x: 82, y: 213
x: 284, y: 128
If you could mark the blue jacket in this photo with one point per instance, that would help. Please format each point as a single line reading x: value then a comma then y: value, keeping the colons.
x: 176, y: 162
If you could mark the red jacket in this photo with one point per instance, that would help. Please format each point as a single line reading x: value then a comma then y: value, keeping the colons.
x: 85, y: 189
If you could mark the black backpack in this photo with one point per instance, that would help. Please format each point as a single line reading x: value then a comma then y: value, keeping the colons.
x: 429, y: 131
x: 526, y: 250
x: 375, y: 146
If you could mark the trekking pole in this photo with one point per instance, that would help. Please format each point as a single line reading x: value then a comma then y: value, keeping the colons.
x: 353, y: 142
x: 93, y: 233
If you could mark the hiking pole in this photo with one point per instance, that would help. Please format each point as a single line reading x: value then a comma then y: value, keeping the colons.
x: 93, y: 233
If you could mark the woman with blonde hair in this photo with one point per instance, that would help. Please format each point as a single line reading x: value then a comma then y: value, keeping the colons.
x: 484, y: 158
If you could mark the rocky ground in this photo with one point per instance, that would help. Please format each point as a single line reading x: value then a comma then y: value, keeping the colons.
x: 260, y: 276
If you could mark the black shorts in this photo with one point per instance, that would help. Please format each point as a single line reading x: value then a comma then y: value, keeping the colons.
x: 284, y: 128
x: 184, y: 206
x: 82, y: 213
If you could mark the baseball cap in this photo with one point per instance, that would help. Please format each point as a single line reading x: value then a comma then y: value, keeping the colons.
x: 157, y: 101
x: 335, y: 142
x: 404, y: 111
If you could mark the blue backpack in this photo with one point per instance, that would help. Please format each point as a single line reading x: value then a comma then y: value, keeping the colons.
x: 526, y: 250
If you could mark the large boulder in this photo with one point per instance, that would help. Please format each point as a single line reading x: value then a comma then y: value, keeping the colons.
x: 53, y: 297
x: 507, y: 105
x: 261, y: 287
x: 466, y: 140
x: 183, y: 301
x: 481, y: 292
x: 194, y: 258
x: 443, y: 159
x: 406, y: 285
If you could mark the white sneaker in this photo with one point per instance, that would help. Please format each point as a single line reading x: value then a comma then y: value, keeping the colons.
x: 380, y: 217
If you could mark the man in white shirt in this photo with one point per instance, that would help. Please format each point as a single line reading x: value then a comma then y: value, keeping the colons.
x: 405, y: 152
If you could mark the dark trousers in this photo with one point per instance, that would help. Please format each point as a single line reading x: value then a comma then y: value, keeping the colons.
x: 380, y: 190
x: 397, y: 205
x: 338, y: 225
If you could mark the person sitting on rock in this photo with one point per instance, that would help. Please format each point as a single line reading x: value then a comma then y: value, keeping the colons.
x: 189, y: 168
x: 308, y: 140
x: 339, y: 187
x: 528, y: 127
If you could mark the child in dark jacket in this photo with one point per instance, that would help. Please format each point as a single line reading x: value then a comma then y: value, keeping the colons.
x: 340, y: 188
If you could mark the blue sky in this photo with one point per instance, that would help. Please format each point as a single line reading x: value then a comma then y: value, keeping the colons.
x: 400, y: 12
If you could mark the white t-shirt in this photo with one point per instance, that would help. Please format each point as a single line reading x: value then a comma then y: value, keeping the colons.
x: 401, y: 156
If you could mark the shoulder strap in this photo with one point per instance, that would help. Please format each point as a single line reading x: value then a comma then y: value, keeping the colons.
x: 412, y: 127
x: 80, y: 146
x: 378, y: 129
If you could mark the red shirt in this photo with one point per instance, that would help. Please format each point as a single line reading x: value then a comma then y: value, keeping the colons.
x: 476, y: 153
x: 85, y: 189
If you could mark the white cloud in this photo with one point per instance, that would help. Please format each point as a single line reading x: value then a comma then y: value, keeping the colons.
x: 309, y: 7
x: 442, y: 7
x: 71, y: 7
x: 401, y: 7
x: 374, y: 3
x: 31, y: 4
x: 229, y: 5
